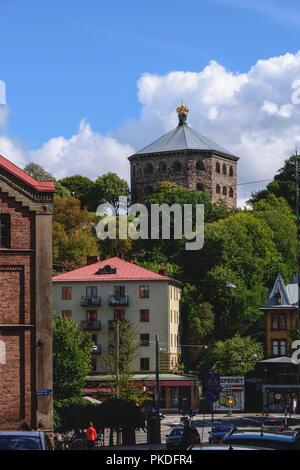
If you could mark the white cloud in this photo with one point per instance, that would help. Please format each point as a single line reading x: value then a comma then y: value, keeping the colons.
x: 251, y: 114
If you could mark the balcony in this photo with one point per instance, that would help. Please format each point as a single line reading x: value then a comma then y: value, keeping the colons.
x: 90, y: 301
x: 96, y: 349
x: 117, y: 300
x: 91, y: 325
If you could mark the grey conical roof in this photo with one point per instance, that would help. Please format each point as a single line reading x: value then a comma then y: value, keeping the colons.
x: 183, y: 137
x: 289, y: 294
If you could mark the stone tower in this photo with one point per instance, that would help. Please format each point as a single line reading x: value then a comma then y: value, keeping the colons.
x: 185, y: 157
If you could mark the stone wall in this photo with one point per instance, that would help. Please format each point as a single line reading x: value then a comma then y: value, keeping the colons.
x: 190, y: 169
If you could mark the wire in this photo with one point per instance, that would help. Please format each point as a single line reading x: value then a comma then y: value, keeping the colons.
x: 254, y: 182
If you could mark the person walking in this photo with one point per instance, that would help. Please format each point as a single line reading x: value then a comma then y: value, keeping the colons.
x: 294, y: 405
x: 187, y: 437
x: 91, y: 436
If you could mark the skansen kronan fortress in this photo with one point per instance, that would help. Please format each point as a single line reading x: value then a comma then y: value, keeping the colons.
x: 185, y: 157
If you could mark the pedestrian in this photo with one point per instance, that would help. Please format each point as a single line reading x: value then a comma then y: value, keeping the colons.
x: 294, y: 405
x: 91, y: 436
x: 187, y: 436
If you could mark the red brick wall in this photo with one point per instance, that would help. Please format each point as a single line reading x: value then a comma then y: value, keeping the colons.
x: 17, y: 307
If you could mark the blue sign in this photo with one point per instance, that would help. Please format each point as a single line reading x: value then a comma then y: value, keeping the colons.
x: 212, y: 394
x: 44, y: 392
x: 212, y: 380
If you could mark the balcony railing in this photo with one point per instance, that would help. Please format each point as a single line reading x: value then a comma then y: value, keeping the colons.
x: 115, y: 300
x: 90, y: 301
x: 96, y: 349
x: 91, y: 325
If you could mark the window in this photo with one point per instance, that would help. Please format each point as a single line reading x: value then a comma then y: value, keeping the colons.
x: 66, y: 313
x: 278, y: 298
x: 231, y: 171
x: 224, y: 170
x: 218, y: 189
x: 144, y: 315
x: 144, y: 292
x: 163, y: 167
x: 279, y: 347
x: 230, y: 192
x: 4, y: 231
x: 66, y: 293
x: 119, y: 291
x: 119, y: 315
x: 200, y: 166
x: 91, y: 315
x: 278, y: 321
x: 144, y: 338
x: 224, y: 191
x: 91, y: 292
x: 218, y: 167
x: 144, y: 363
x: 148, y: 169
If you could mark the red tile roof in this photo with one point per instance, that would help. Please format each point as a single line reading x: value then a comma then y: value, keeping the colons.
x: 125, y: 271
x: 42, y: 186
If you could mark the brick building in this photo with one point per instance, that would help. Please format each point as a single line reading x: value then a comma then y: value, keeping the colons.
x: 185, y: 157
x: 25, y: 299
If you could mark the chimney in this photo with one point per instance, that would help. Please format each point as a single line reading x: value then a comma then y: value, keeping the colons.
x: 92, y: 260
x: 163, y: 272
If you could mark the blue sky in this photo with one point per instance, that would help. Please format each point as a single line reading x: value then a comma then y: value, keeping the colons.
x: 68, y: 60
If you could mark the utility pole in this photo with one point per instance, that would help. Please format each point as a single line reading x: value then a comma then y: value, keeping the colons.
x: 157, y: 418
x: 298, y: 238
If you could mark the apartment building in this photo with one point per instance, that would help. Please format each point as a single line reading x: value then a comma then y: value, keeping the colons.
x: 114, y: 289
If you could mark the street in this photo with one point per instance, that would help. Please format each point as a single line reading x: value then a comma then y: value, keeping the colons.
x: 203, y: 424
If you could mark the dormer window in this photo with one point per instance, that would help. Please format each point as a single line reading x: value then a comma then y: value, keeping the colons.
x: 278, y: 298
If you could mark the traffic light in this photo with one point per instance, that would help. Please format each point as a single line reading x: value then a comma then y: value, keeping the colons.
x: 229, y: 400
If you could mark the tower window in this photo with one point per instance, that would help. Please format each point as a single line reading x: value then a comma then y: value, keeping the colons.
x: 148, y: 169
x: 218, y: 189
x: 4, y: 231
x: 230, y: 192
x: 176, y: 166
x: 224, y: 170
x: 200, y: 166
x: 218, y: 167
x: 278, y: 298
x: 231, y: 171
x: 224, y: 191
x: 163, y: 167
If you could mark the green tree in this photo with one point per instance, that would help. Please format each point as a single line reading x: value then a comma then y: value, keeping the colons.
x: 237, y: 355
x: 123, y: 348
x: 80, y: 187
x: 284, y: 182
x: 72, y: 351
x: 37, y: 172
x: 108, y: 188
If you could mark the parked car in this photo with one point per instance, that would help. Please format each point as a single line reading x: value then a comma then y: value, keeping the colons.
x: 225, y: 447
x: 24, y: 440
x: 276, y: 441
x: 274, y: 424
x: 173, y: 439
x: 218, y: 432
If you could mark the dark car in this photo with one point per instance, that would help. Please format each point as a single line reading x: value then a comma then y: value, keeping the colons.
x: 173, y: 439
x: 274, y: 424
x: 218, y: 432
x: 24, y: 440
x: 276, y: 441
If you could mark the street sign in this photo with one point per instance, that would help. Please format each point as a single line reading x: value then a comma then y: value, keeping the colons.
x: 212, y: 380
x: 44, y: 392
x: 212, y: 394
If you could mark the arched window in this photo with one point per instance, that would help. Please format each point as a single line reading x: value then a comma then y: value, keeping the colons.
x: 218, y: 167
x: 224, y: 191
x: 200, y: 166
x: 148, y: 191
x: 148, y: 169
x: 199, y: 187
x: 163, y: 167
x: 230, y: 192
x: 4, y: 230
x: 231, y: 171
x: 224, y: 171
x: 176, y: 166
x: 218, y: 189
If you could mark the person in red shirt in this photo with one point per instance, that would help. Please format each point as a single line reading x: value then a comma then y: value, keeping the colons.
x: 91, y: 435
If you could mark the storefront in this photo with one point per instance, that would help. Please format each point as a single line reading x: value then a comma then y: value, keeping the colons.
x: 277, y: 398
x: 174, y: 390
x: 234, y: 388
